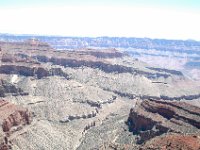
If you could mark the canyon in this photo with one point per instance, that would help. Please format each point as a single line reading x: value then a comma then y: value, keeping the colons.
x: 182, y: 55
x: 92, y: 98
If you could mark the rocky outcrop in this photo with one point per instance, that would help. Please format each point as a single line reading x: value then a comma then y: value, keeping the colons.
x: 186, y: 97
x: 4, y: 146
x: 13, y: 116
x: 12, y: 119
x: 152, y: 118
x: 8, y: 88
x: 16, y: 59
x: 90, y: 125
x: 97, y: 104
x: 79, y: 116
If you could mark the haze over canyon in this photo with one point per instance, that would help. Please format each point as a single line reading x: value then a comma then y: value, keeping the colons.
x: 98, y: 93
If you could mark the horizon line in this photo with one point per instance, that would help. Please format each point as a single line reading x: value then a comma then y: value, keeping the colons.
x: 103, y: 36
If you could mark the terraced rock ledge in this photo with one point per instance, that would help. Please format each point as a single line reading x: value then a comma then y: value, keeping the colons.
x: 151, y: 118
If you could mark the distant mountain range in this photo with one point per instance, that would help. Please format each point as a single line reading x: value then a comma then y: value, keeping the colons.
x: 173, y: 54
x: 123, y: 42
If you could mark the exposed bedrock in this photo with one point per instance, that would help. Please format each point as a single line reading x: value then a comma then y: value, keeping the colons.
x: 98, y: 104
x: 4, y: 145
x: 173, y: 142
x: 151, y: 118
x: 12, y: 119
x: 178, y: 98
x: 8, y: 88
x: 90, y: 125
x: 106, y: 67
x: 161, y: 97
x: 165, y: 142
x: 13, y: 116
x: 79, y: 116
x: 38, y: 72
x: 186, y: 97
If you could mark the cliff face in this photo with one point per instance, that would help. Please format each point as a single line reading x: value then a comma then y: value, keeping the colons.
x: 152, y: 118
x: 38, y: 72
x: 17, y: 61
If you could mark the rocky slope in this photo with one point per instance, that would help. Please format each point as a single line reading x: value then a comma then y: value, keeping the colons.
x: 152, y: 124
x: 81, y: 98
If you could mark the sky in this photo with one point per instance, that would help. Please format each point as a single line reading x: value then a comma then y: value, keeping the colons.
x: 168, y: 19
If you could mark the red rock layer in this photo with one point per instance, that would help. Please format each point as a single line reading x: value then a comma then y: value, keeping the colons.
x: 173, y: 142
x: 11, y: 116
x: 152, y: 118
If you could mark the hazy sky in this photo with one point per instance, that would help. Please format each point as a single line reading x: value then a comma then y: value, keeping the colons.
x: 171, y: 19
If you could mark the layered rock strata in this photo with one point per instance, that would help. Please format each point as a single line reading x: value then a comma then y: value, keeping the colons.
x: 152, y: 118
x: 36, y: 55
x: 81, y: 98
x: 38, y: 72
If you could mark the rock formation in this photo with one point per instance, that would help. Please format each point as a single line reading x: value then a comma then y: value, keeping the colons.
x: 12, y: 119
x: 173, y: 142
x: 13, y: 116
x: 152, y: 118
x: 8, y: 88
x: 38, y: 72
x: 81, y: 98
x: 21, y: 60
